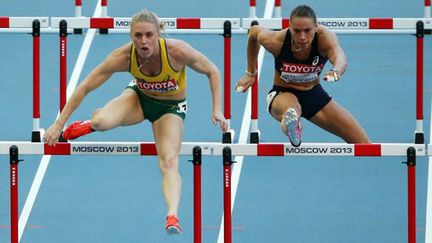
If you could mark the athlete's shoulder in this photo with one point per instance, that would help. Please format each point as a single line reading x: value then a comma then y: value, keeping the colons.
x: 178, y: 48
x: 119, y: 58
x: 123, y: 50
x: 327, y: 40
x: 324, y: 32
x: 272, y: 40
x: 176, y: 44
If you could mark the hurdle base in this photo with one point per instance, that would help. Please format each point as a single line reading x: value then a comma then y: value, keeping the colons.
x: 254, y: 137
x: 36, y: 136
x: 103, y: 31
x: 228, y: 137
x: 78, y: 31
x: 419, y: 138
x: 62, y: 139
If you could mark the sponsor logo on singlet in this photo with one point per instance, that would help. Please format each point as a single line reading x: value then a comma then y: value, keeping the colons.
x: 166, y: 85
x: 301, y: 73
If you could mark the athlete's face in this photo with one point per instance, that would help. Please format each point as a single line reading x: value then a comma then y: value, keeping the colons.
x: 303, y: 31
x: 145, y: 37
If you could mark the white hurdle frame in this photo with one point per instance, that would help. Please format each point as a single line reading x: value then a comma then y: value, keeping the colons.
x: 226, y: 151
x: 216, y: 149
x: 215, y: 25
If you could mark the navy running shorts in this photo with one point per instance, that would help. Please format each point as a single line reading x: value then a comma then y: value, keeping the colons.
x: 311, y: 101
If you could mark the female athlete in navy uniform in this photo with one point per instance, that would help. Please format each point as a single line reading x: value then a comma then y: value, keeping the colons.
x: 157, y: 93
x: 300, y: 53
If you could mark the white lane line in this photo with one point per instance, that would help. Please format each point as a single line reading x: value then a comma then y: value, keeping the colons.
x: 43, y: 165
x: 428, y: 226
x: 244, y: 131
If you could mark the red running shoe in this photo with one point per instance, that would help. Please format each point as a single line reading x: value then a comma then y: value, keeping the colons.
x: 172, y: 227
x: 77, y: 129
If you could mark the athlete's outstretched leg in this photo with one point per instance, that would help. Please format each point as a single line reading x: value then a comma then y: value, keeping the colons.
x: 168, y: 134
x: 337, y: 120
x: 121, y: 111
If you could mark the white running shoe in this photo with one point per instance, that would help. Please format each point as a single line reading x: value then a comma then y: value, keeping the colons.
x: 291, y: 126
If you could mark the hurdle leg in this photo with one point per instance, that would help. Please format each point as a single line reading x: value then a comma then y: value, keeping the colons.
x: 63, y: 62
x: 419, y: 136
x: 78, y: 13
x: 227, y: 163
x: 104, y: 14
x: 277, y: 9
x: 254, y: 132
x: 63, y: 67
x: 13, y: 153
x: 228, y: 136
x: 252, y: 8
x: 197, y: 161
x: 427, y: 8
x: 254, y: 136
x: 411, y: 164
x: 36, y: 132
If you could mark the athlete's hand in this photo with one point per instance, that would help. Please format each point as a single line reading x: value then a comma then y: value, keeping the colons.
x: 52, y: 135
x: 332, y: 75
x: 244, y: 83
x: 219, y: 117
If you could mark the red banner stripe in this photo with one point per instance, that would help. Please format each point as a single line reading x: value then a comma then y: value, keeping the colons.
x: 380, y: 23
x: 102, y: 23
x: 148, y: 149
x: 270, y: 150
x: 58, y: 149
x: 188, y: 23
x: 4, y: 22
x: 367, y: 150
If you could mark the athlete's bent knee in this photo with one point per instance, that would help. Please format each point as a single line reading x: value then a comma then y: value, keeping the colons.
x: 99, y: 122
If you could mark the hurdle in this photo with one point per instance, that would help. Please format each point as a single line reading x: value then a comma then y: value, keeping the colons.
x: 197, y: 149
x: 416, y: 26
x: 32, y: 25
x: 277, y: 9
x: 78, y: 8
x: 69, y: 25
x: 36, y: 133
x: 200, y: 24
x: 252, y: 8
x: 78, y: 13
x: 427, y: 8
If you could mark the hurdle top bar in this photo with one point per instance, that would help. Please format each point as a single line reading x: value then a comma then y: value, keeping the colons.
x: 121, y: 25
x: 215, y: 23
x: 124, y: 23
x: 346, y: 23
x: 22, y: 22
x: 216, y: 148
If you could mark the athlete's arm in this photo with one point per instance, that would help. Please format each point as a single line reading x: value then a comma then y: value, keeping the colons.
x: 114, y: 62
x: 328, y: 45
x: 187, y: 55
x: 271, y: 40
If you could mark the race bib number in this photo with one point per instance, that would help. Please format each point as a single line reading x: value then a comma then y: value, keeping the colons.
x: 182, y: 107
